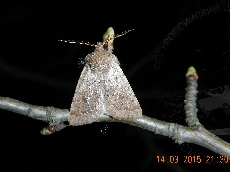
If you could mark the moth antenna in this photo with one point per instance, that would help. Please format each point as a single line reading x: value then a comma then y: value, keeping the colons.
x: 123, y: 33
x: 68, y: 41
x: 109, y: 37
x: 86, y: 43
x: 74, y: 42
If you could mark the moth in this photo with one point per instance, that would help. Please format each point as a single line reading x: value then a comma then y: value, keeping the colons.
x: 102, y: 87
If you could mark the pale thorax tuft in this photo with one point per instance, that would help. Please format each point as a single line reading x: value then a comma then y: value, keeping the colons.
x: 101, y: 59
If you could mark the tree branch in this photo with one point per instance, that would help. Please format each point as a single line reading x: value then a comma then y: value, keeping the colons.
x: 56, y: 118
x: 48, y: 114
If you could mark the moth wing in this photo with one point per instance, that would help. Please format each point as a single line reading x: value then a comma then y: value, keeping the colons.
x: 87, y: 105
x: 121, y: 102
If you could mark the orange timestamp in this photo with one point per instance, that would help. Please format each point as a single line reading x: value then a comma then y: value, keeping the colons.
x: 194, y: 159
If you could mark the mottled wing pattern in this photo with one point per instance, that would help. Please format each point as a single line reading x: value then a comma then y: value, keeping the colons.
x: 121, y: 102
x: 87, y: 105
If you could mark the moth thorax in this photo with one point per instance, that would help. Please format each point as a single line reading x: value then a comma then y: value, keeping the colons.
x: 100, y: 60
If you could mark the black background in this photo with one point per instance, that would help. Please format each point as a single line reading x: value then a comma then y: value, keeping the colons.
x: 37, y: 69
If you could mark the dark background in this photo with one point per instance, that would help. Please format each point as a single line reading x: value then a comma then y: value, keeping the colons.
x: 37, y: 69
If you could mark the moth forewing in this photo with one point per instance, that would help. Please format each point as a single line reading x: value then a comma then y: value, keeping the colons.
x: 121, y: 102
x: 87, y: 105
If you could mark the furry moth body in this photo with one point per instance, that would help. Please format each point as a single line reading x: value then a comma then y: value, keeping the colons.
x: 103, y: 88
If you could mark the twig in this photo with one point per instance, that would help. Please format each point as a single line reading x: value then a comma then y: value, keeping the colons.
x: 56, y: 118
